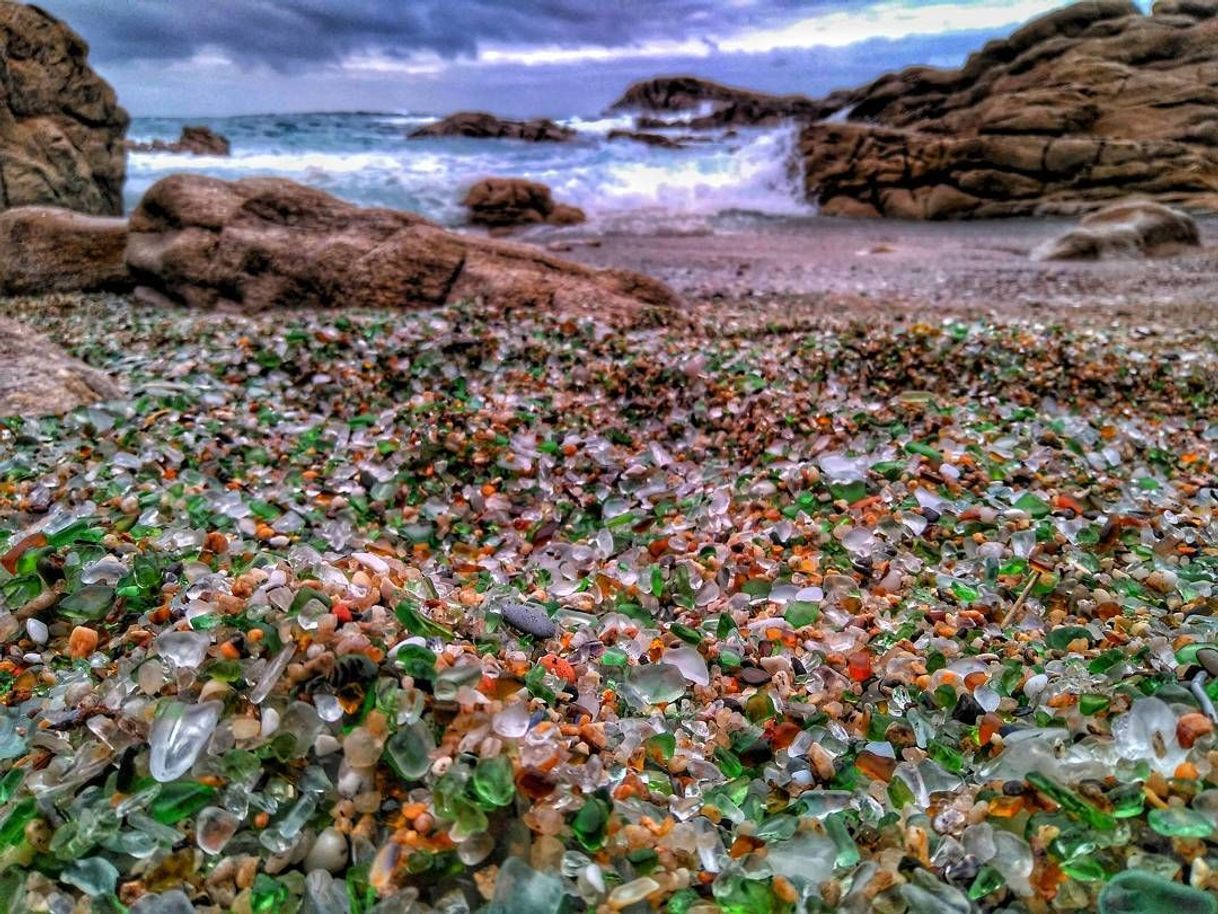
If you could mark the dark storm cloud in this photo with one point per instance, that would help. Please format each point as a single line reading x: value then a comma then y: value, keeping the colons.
x: 292, y: 34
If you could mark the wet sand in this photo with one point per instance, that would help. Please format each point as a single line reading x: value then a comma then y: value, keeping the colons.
x: 820, y: 267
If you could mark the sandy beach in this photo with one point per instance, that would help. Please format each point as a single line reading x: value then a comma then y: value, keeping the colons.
x: 798, y: 269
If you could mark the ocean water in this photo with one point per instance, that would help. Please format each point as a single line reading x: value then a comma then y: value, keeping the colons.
x: 621, y: 184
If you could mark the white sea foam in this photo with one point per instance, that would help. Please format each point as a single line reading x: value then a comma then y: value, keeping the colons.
x: 367, y: 159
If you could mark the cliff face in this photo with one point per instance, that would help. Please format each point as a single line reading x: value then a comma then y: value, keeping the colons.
x: 1090, y: 103
x: 61, y: 129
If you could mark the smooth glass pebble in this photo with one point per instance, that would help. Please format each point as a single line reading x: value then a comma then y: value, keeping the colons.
x: 179, y: 735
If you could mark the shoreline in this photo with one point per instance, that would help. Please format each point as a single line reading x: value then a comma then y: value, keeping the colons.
x: 972, y: 269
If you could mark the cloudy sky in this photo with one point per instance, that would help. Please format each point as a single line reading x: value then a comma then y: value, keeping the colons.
x: 551, y: 57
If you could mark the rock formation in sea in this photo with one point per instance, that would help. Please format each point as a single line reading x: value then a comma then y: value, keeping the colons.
x: 270, y: 242
x: 650, y: 139
x: 1086, y: 105
x: 1135, y: 228
x: 37, y: 378
x: 510, y: 202
x: 61, y: 128
x: 194, y: 140
x: 45, y: 249
x: 712, y: 104
x: 480, y: 125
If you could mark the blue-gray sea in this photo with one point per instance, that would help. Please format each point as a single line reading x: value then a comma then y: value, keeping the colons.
x: 367, y: 159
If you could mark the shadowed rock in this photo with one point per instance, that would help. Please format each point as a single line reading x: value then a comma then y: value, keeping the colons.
x: 37, y: 378
x: 1134, y: 229
x: 44, y: 249
x: 61, y: 129
x: 480, y: 125
x: 270, y: 243
x: 509, y: 202
x: 1076, y: 109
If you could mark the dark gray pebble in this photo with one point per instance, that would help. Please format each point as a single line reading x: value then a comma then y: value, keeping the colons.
x: 755, y: 675
x: 532, y: 620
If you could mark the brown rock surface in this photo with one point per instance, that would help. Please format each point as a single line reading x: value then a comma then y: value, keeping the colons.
x: 44, y: 249
x: 1134, y: 228
x: 510, y: 202
x: 1086, y: 105
x: 480, y: 125
x: 37, y: 378
x: 269, y: 242
x: 198, y: 140
x: 61, y: 129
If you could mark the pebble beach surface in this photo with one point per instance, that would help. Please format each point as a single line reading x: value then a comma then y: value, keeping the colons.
x: 749, y: 612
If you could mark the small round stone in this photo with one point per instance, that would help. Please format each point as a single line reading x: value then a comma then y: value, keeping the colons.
x: 329, y: 852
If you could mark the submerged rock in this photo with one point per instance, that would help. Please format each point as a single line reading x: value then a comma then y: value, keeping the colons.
x: 61, y: 129
x: 37, y: 378
x: 658, y: 140
x: 269, y: 242
x: 46, y: 249
x: 479, y: 125
x: 509, y: 202
x: 1133, y: 229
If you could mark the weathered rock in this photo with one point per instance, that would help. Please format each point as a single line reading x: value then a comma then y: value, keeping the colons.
x: 37, y: 378
x: 722, y: 105
x: 1079, y: 108
x: 510, y: 202
x: 1199, y: 9
x: 269, y: 242
x: 44, y: 249
x: 61, y: 129
x: 480, y: 125
x: 198, y: 141
x: 1135, y: 228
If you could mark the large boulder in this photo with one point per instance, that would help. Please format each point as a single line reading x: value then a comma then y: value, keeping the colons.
x: 510, y: 202
x: 44, y: 249
x: 193, y: 140
x: 1136, y: 228
x: 480, y: 125
x: 61, y: 129
x: 1084, y: 106
x: 37, y: 378
x: 270, y: 243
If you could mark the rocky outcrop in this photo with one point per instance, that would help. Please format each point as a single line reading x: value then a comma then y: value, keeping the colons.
x: 1137, y: 228
x: 37, y: 378
x: 720, y: 105
x: 511, y: 202
x: 198, y: 141
x: 43, y: 249
x: 271, y: 243
x: 486, y: 126
x: 61, y: 129
x: 1079, y: 108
